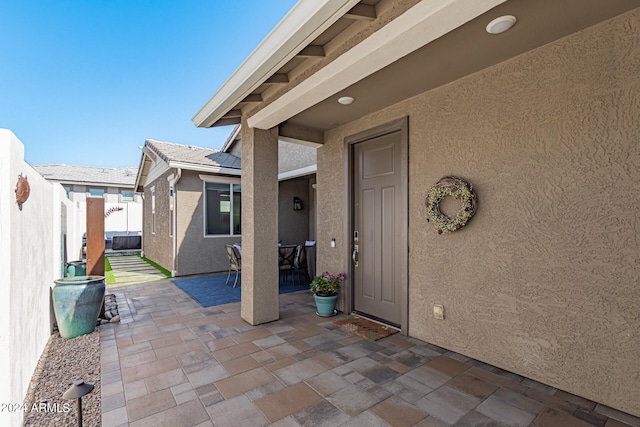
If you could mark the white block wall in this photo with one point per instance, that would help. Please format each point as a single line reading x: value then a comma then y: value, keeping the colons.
x: 31, y: 258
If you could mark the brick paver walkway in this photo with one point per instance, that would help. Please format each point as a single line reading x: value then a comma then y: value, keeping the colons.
x: 171, y: 362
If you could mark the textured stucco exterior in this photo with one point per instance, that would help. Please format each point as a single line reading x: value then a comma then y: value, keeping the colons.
x: 259, y: 225
x: 196, y: 254
x: 31, y: 258
x: 543, y: 281
x: 158, y: 246
x: 293, y: 226
x: 294, y: 156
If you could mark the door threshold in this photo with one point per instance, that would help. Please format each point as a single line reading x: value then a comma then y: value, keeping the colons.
x: 376, y: 319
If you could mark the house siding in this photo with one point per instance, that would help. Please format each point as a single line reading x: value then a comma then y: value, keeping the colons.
x: 293, y: 226
x: 158, y: 247
x: 197, y: 254
x: 543, y: 281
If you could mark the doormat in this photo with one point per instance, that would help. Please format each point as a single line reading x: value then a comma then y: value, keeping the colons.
x: 365, y: 328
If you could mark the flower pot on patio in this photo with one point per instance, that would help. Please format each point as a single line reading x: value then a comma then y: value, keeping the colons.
x: 76, y: 268
x: 326, y: 305
x: 76, y: 304
x: 325, y: 291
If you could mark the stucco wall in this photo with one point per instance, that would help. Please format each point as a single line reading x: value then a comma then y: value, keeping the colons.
x: 158, y: 247
x: 197, y: 254
x: 293, y: 226
x: 294, y: 156
x: 544, y: 279
x: 31, y: 258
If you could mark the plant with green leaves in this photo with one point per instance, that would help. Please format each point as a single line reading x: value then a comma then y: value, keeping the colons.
x: 327, y: 284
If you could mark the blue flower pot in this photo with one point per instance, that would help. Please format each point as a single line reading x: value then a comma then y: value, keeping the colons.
x: 76, y: 268
x: 76, y: 304
x: 326, y: 305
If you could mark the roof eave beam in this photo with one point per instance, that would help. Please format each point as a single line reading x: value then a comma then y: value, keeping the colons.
x: 362, y: 11
x: 423, y: 23
x: 304, y: 23
x: 299, y: 135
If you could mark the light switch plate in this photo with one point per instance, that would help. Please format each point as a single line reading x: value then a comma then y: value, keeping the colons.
x: 438, y: 311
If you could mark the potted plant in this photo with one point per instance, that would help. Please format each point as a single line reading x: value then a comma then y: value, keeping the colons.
x: 325, y: 291
x: 76, y: 304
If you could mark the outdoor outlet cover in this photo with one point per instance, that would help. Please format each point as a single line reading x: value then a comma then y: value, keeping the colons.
x: 438, y: 311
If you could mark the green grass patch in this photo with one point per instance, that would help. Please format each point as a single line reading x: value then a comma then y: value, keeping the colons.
x: 108, y: 272
x: 160, y: 268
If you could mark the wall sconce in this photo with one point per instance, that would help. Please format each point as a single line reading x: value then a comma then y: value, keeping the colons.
x: 297, y: 204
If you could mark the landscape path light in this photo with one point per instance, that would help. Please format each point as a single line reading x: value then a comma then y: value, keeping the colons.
x: 76, y: 391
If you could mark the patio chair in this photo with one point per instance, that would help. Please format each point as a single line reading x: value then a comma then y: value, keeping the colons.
x: 300, y: 262
x: 235, y: 263
x: 286, y: 256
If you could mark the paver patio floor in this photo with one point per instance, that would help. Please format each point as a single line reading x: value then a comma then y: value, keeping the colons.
x: 171, y: 362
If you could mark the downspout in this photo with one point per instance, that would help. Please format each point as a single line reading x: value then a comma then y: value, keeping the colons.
x: 174, y: 183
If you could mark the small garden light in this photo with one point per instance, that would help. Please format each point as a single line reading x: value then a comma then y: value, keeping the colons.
x: 76, y: 391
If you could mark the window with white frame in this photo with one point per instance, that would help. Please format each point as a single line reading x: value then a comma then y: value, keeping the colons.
x: 171, y: 209
x: 127, y: 196
x: 153, y: 210
x: 96, y: 192
x: 222, y: 208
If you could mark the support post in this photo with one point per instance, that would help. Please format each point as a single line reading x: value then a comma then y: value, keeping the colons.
x: 95, y: 236
x: 259, y: 225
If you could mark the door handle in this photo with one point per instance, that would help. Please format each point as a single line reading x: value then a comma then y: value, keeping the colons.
x: 354, y: 255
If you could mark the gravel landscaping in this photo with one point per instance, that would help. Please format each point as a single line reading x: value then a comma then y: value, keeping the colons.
x: 64, y: 361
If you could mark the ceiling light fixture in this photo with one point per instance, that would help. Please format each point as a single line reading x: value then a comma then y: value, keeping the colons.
x: 346, y: 100
x: 501, y: 24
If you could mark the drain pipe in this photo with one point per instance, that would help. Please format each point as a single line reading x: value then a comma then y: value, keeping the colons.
x: 173, y: 181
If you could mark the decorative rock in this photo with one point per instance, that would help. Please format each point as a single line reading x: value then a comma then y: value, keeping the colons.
x: 115, y: 319
x: 108, y: 315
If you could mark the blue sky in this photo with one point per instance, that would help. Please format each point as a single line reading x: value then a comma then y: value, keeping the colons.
x: 86, y: 82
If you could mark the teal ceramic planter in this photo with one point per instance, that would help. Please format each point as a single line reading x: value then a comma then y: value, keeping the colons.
x: 76, y: 268
x: 76, y: 304
x: 326, y: 305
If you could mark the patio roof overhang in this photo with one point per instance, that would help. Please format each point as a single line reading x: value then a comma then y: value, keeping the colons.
x: 381, y: 52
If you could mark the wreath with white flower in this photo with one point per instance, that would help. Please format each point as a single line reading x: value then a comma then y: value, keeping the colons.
x: 460, y: 190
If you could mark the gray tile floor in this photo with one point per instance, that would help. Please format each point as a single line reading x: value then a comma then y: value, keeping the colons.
x: 171, y: 362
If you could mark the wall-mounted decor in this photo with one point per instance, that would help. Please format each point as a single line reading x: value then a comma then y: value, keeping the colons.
x: 461, y: 191
x: 22, y: 190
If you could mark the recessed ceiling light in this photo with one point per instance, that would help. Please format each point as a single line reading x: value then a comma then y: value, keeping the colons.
x: 346, y: 100
x: 501, y: 24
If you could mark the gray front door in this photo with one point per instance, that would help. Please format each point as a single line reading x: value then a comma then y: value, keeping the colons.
x: 378, y: 227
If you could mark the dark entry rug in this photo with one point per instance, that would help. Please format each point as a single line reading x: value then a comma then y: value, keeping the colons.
x: 211, y: 290
x: 365, y: 328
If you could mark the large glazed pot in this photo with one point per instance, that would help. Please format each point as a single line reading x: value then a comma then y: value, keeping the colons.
x: 76, y: 304
x: 76, y: 268
x: 326, y: 305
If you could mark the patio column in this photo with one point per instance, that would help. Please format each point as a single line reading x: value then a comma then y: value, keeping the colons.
x: 259, y: 225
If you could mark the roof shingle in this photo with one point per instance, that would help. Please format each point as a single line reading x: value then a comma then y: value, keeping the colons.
x: 121, y: 177
x: 169, y: 152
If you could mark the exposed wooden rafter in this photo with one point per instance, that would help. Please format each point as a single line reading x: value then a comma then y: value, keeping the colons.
x: 362, y: 11
x: 233, y: 114
x: 311, y: 51
x: 253, y: 97
x: 299, y: 135
x: 227, y: 121
x: 277, y: 78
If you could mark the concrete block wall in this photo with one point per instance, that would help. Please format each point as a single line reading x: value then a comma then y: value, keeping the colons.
x: 31, y: 258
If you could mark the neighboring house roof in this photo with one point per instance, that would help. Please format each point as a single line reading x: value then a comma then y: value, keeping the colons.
x: 158, y: 157
x: 190, y: 154
x: 88, y: 175
x: 234, y: 136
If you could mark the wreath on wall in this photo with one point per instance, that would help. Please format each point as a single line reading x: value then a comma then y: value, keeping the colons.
x: 460, y: 190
